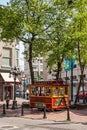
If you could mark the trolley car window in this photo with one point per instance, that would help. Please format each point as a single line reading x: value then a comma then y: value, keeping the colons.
x: 66, y: 91
x: 42, y: 92
x: 61, y: 91
x: 48, y: 91
x: 33, y: 91
x: 56, y: 91
x: 37, y: 91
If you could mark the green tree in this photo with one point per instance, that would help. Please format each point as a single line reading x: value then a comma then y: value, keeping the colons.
x: 79, y: 36
x: 59, y: 37
x: 27, y: 21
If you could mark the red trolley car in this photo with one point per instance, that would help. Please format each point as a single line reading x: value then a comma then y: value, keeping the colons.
x: 53, y: 94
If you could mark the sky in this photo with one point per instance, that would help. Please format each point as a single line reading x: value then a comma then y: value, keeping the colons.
x: 3, y: 2
x: 21, y: 57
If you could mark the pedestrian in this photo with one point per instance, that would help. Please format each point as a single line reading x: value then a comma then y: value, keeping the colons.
x: 7, y: 99
x: 27, y: 94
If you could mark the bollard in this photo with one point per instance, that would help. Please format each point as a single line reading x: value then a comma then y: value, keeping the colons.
x: 7, y: 104
x: 68, y: 114
x: 14, y: 105
x: 44, y: 109
x: 4, y: 110
x: 22, y: 110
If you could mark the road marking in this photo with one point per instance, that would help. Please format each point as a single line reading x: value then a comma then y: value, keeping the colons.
x: 8, y: 127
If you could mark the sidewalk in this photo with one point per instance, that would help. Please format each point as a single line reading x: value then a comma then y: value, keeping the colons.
x: 76, y: 115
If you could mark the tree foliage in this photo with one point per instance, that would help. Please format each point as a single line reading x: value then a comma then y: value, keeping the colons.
x: 59, y: 36
x: 28, y: 21
x: 57, y: 28
x: 78, y: 36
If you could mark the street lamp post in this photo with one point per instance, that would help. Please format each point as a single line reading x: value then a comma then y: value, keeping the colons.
x: 15, y: 72
x: 24, y: 84
x: 24, y: 90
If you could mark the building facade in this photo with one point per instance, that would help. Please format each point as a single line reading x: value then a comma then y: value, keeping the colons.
x: 9, y: 58
x: 74, y: 82
x: 9, y: 55
x: 39, y: 68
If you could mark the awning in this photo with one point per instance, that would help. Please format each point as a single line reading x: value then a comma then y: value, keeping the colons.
x: 8, y: 79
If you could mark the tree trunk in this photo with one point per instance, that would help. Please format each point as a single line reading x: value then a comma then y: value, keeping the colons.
x: 82, y: 65
x: 82, y: 80
x: 30, y: 63
x: 58, y: 74
x: 81, y: 83
x: 76, y: 98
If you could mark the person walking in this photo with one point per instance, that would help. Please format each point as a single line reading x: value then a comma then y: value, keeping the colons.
x: 27, y: 94
x: 7, y: 99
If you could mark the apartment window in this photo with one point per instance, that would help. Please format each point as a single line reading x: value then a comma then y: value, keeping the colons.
x: 41, y: 73
x: 74, y: 77
x: 41, y: 60
x: 17, y: 58
x: 83, y: 75
x: 41, y: 67
x: 6, y: 59
x: 35, y: 61
x: 67, y: 78
x: 35, y: 67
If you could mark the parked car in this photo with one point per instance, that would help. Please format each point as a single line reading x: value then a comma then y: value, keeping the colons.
x: 82, y: 95
x: 18, y: 93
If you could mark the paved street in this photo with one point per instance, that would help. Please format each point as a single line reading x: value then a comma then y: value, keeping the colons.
x: 15, y: 123
x: 32, y: 119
